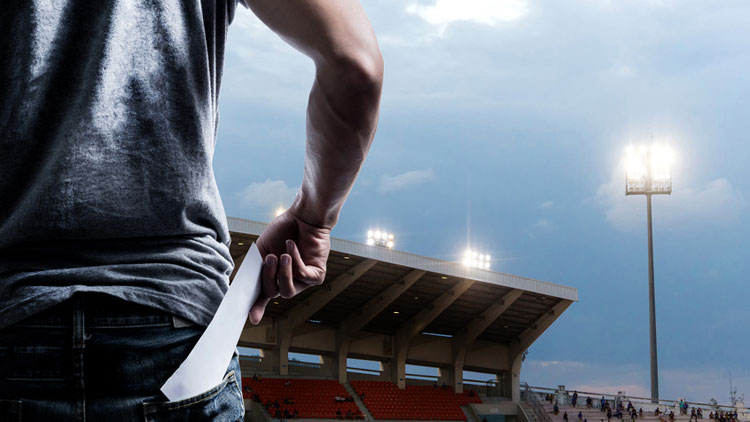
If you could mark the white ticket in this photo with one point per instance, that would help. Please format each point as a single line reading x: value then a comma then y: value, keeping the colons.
x: 205, y: 366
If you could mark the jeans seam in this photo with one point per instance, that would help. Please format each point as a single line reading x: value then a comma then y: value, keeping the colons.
x: 79, y: 343
x: 239, y: 391
x: 37, y: 326
x: 132, y: 326
x: 219, y: 389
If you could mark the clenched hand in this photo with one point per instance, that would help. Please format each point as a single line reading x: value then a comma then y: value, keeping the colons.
x: 294, y: 258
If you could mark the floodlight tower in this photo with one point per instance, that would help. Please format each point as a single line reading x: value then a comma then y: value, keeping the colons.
x: 648, y: 172
x: 380, y: 238
x: 475, y: 259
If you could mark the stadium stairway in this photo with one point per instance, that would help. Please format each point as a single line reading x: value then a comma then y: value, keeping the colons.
x: 358, y: 402
x: 529, y: 413
x: 471, y: 415
x: 255, y: 412
x: 595, y: 415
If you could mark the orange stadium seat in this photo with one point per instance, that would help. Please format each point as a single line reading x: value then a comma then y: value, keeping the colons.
x: 313, y: 399
x: 386, y: 401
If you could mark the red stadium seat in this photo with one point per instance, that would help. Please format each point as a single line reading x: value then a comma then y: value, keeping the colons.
x: 311, y: 398
x: 386, y: 401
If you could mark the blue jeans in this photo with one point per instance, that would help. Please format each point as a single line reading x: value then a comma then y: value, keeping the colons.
x: 98, y: 358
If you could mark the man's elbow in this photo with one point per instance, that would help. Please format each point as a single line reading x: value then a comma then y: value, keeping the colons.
x: 360, y: 71
x: 367, y: 70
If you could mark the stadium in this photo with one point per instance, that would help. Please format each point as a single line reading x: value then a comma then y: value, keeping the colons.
x: 400, y: 310
x: 506, y: 116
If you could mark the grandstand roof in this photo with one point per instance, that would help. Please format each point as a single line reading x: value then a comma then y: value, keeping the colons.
x: 489, y: 287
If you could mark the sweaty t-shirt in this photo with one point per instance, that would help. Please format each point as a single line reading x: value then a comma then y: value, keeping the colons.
x: 108, y: 117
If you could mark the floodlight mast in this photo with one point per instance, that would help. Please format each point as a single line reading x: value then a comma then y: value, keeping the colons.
x: 650, y: 178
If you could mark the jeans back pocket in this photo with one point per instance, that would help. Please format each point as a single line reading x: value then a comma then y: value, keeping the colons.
x: 222, y: 403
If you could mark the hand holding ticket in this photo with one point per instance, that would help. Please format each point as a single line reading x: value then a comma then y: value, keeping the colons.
x: 206, y: 364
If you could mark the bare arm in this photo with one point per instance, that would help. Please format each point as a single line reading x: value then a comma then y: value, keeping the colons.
x: 342, y: 116
x: 343, y: 106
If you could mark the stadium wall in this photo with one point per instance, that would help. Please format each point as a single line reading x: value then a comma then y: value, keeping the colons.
x: 320, y: 339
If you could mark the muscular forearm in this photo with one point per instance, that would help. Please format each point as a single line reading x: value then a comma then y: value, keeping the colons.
x: 342, y: 116
x: 343, y: 108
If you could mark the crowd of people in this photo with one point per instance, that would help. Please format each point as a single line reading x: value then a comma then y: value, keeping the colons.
x: 616, y: 409
x: 722, y: 416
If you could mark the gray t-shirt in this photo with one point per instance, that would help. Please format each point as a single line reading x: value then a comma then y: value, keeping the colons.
x: 108, y: 117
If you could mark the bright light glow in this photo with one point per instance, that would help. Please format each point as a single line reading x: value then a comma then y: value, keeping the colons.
x: 475, y: 259
x: 380, y: 238
x: 279, y: 211
x: 661, y: 163
x: 648, y: 169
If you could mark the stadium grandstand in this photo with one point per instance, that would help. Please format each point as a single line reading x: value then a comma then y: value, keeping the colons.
x: 394, y: 309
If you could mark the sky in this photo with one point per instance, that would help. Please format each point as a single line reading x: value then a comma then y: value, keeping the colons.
x: 503, y: 127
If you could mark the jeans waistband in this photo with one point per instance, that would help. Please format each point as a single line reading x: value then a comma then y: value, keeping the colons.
x: 102, y: 311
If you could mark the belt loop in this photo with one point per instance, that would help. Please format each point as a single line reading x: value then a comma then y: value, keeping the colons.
x: 79, y: 318
x: 178, y: 322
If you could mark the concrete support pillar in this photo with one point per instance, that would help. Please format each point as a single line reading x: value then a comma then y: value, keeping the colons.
x: 329, y: 365
x: 457, y: 370
x: 513, y: 377
x: 342, y: 352
x: 398, y: 367
x: 285, y: 340
x: 270, y: 360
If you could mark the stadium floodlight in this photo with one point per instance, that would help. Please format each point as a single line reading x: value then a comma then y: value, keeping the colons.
x: 475, y: 259
x: 648, y: 171
x: 380, y: 238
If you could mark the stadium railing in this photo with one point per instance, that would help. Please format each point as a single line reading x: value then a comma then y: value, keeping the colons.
x: 645, y: 402
x: 534, y: 404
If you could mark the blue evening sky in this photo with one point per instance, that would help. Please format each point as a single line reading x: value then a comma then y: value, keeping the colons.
x: 503, y: 127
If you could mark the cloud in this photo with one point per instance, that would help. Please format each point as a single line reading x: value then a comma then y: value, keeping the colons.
x: 488, y: 12
x: 262, y: 69
x: 267, y: 195
x: 566, y: 365
x: 540, y: 226
x: 629, y: 389
x: 405, y: 181
x: 544, y: 224
x: 547, y: 204
x: 587, y: 376
x: 693, y: 383
x: 715, y: 203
